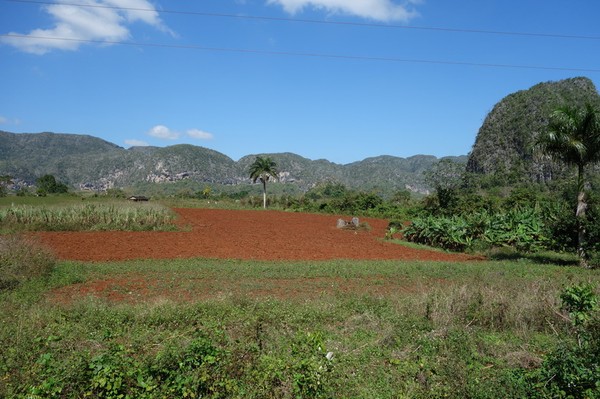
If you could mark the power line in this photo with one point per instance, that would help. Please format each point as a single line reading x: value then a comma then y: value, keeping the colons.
x: 314, y: 21
x: 302, y: 54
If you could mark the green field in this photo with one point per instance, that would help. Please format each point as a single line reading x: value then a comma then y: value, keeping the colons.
x: 92, y: 214
x: 514, y: 326
x: 478, y: 329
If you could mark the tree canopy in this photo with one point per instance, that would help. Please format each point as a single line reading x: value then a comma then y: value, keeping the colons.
x: 263, y: 169
x: 573, y: 137
x: 48, y: 184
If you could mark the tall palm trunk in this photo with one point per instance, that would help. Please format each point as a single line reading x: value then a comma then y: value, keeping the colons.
x: 573, y: 136
x: 580, y: 215
x: 264, y: 182
x: 263, y: 169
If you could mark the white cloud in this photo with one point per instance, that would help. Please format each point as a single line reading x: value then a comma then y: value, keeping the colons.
x: 199, y: 134
x: 74, y: 25
x: 9, y: 121
x: 136, y: 143
x: 141, y: 10
x: 163, y: 132
x: 381, y: 10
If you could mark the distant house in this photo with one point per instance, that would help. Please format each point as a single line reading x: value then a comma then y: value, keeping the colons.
x: 137, y: 198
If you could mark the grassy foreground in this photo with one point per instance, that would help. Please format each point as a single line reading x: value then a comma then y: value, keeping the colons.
x: 240, y: 329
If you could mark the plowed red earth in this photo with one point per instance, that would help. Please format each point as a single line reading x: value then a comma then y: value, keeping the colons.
x: 241, y: 234
x: 226, y: 234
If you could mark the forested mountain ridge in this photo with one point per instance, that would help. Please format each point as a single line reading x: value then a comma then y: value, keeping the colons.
x: 505, y: 143
x: 504, y: 147
x: 87, y: 162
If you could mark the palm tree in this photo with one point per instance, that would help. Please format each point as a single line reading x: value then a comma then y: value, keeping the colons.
x: 573, y: 137
x: 262, y: 169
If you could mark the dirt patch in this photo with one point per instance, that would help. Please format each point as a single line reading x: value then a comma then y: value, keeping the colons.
x: 245, y: 234
x: 147, y: 289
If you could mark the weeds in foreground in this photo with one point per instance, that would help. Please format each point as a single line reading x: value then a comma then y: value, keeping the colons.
x: 22, y: 259
x: 450, y: 330
x: 572, y: 370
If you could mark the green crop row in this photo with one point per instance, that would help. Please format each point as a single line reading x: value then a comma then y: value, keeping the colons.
x: 521, y: 228
x: 111, y: 216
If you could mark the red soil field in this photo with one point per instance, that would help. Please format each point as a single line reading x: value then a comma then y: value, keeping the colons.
x: 241, y: 234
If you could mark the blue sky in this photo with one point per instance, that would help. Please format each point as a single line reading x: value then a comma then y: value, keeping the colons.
x: 364, y: 78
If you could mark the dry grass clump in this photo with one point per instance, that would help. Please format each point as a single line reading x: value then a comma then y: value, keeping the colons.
x: 500, y: 307
x: 22, y: 259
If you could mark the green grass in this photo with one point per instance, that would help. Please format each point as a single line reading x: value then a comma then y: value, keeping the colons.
x: 211, y: 203
x: 415, y: 245
x: 51, y: 199
x: 401, y: 329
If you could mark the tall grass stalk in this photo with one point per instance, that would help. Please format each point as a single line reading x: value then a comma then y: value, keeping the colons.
x: 104, y: 216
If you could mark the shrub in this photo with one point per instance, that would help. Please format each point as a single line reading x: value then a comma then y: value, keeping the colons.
x: 580, y: 302
x: 391, y: 230
x: 22, y: 259
x: 562, y: 226
x: 572, y: 369
x: 311, y: 367
x: 594, y: 260
x: 48, y: 184
x: 117, y: 371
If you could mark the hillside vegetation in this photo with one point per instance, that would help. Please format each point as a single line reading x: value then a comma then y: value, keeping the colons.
x: 86, y: 162
x: 504, y: 146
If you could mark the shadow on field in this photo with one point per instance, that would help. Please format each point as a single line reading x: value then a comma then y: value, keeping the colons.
x: 543, y: 258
